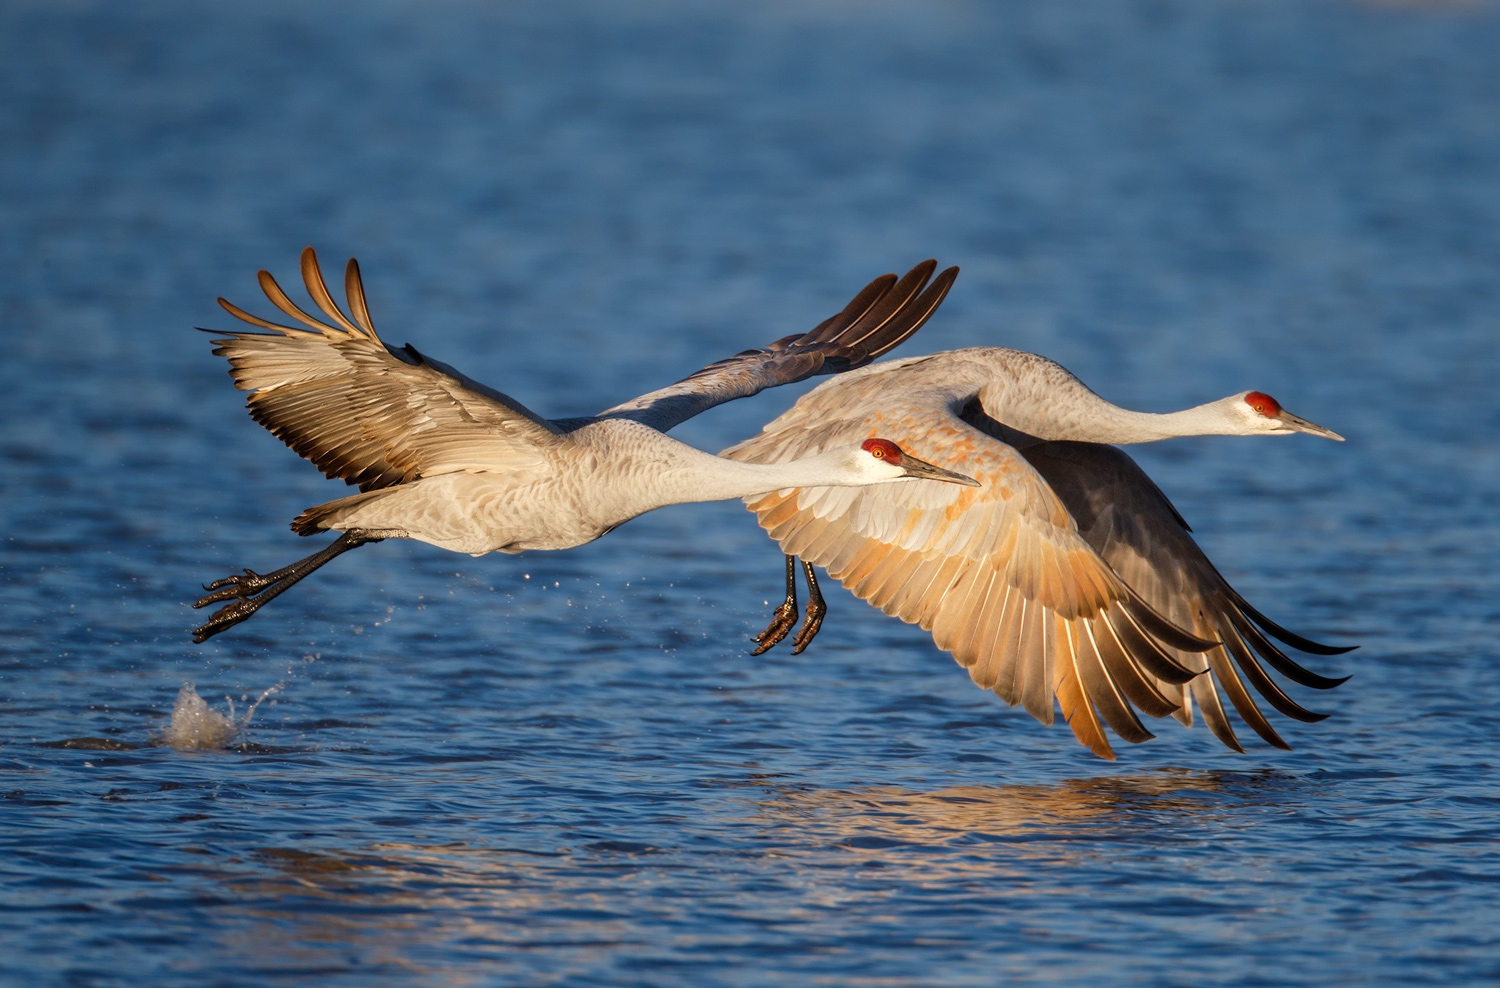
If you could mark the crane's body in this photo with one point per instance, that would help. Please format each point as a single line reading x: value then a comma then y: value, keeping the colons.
x: 1023, y: 577
x: 575, y: 489
x: 443, y: 459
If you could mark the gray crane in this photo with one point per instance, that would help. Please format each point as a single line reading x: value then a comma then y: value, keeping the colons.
x: 1066, y: 573
x: 445, y: 460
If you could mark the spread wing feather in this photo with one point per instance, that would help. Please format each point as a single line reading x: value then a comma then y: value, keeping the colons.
x: 1132, y: 525
x: 1000, y: 574
x: 877, y: 320
x: 364, y: 412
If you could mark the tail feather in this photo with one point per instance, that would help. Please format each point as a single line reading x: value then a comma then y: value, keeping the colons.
x: 323, y: 517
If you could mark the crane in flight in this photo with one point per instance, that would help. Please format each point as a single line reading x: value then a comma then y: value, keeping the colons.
x: 1038, y: 580
x: 445, y: 460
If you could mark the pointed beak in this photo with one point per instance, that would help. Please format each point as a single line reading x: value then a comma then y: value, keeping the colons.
x: 1299, y: 424
x: 927, y: 471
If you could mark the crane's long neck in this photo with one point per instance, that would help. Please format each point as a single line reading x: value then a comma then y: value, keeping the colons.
x: 637, y: 469
x: 1042, y: 399
x: 1107, y: 423
x: 701, y: 477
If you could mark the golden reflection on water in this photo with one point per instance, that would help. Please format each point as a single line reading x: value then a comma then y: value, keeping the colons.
x: 433, y: 909
x: 1067, y: 809
x: 1015, y: 843
x: 425, y: 912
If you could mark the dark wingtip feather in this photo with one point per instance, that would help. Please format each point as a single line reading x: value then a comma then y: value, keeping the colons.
x: 1212, y: 709
x: 1266, y: 686
x: 892, y: 317
x: 1163, y: 630
x: 1279, y: 659
x: 1138, y: 644
x: 1238, y: 695
x: 920, y: 311
x: 884, y: 314
x: 859, y: 306
x: 1287, y: 637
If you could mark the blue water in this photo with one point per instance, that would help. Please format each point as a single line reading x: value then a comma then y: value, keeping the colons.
x: 566, y: 768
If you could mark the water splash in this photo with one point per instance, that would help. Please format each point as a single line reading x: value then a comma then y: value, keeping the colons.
x: 196, y: 725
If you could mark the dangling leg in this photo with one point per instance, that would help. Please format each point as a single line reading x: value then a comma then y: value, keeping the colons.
x: 246, y: 594
x: 815, y: 611
x: 786, y: 614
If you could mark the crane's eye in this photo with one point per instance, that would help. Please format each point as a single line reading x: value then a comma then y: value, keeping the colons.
x: 1263, y: 403
x: 881, y: 449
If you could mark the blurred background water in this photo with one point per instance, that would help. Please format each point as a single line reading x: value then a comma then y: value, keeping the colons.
x: 566, y: 767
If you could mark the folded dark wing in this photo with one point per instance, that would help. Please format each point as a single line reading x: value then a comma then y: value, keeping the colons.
x: 1132, y: 525
x: 367, y: 413
x: 883, y: 315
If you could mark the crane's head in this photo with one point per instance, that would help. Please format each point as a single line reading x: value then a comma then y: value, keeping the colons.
x: 1263, y: 415
x: 883, y: 458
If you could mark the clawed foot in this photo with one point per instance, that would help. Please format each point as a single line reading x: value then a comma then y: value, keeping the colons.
x: 786, y: 614
x: 234, y: 586
x: 240, y: 591
x: 247, y: 592
x: 810, y: 628
x: 225, y: 617
x: 781, y: 623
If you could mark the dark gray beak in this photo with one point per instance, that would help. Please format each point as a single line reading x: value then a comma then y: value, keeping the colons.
x: 927, y: 471
x: 1298, y: 424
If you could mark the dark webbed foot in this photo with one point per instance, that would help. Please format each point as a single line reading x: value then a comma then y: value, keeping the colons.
x: 816, y: 608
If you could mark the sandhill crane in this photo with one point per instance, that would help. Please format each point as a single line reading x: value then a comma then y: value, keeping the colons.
x: 1032, y: 580
x: 445, y: 460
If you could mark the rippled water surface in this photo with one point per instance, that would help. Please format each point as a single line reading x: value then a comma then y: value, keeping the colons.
x: 566, y: 767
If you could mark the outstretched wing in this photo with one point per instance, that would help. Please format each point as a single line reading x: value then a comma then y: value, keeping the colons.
x: 999, y: 574
x: 1130, y: 522
x: 367, y: 413
x: 882, y: 316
